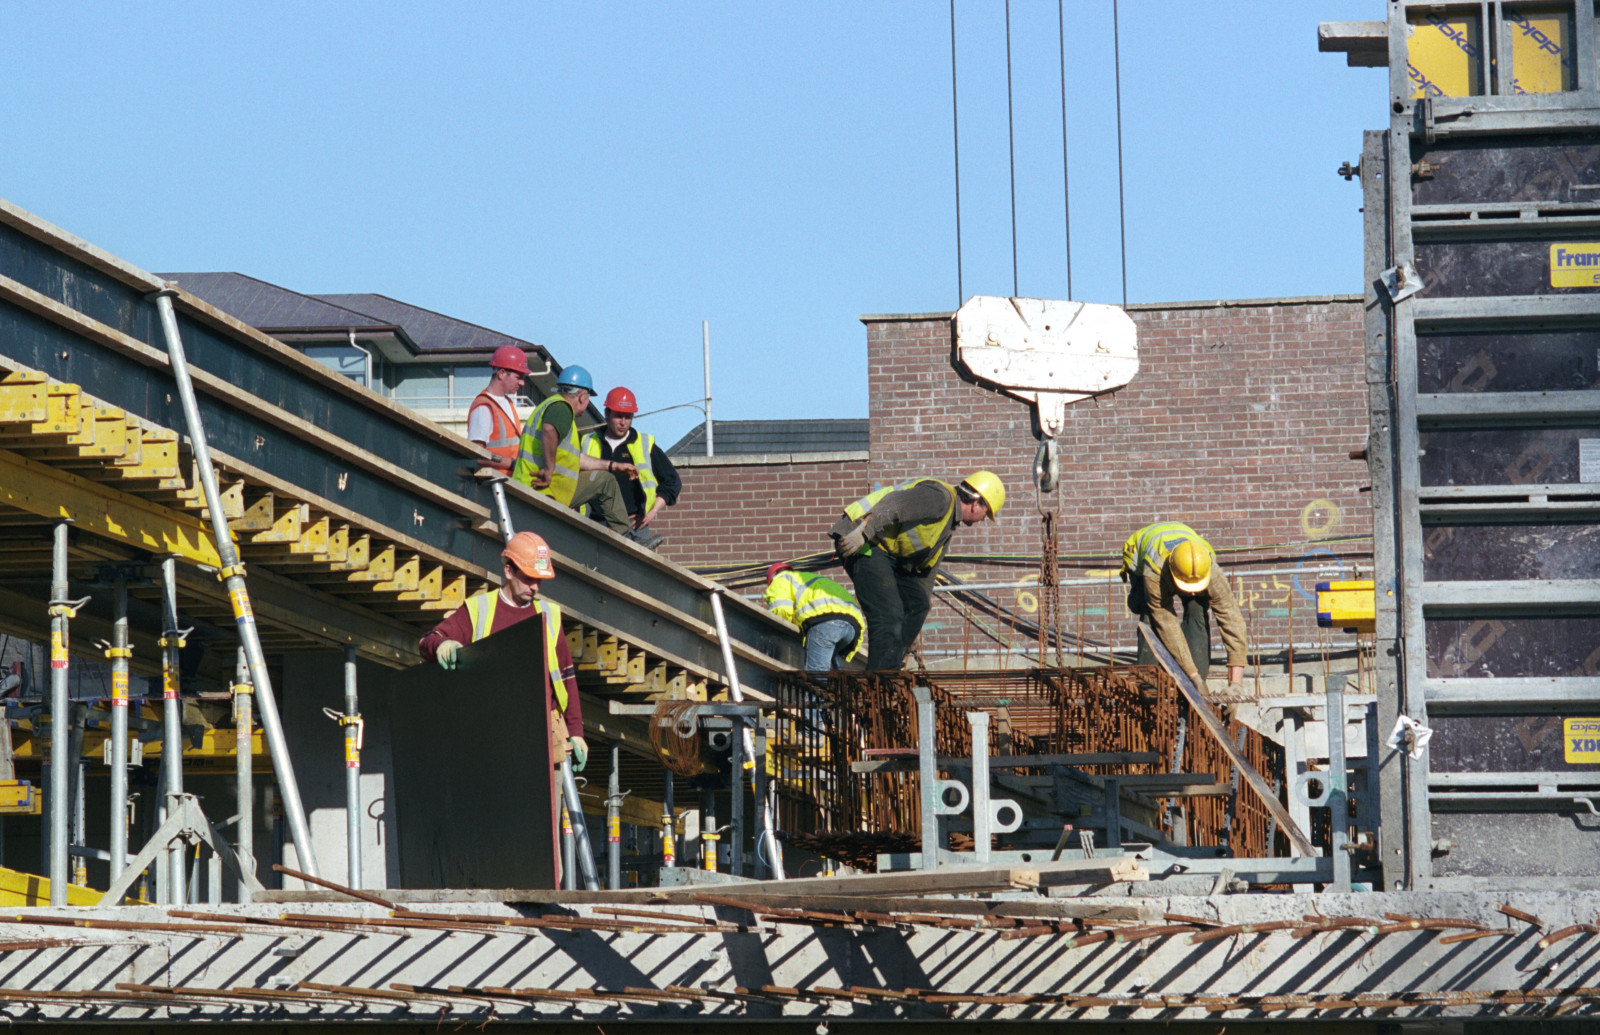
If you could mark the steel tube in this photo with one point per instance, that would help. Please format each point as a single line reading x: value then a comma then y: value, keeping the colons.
x: 77, y: 833
x: 747, y: 742
x: 927, y: 777
x: 238, y: 593
x: 669, y: 848
x: 1338, y: 790
x: 569, y: 850
x: 244, y: 791
x: 352, y: 768
x: 705, y: 354
x: 172, y: 721
x: 614, y: 822
x: 118, y: 849
x: 580, y: 829
x: 60, y: 721
x: 982, y: 819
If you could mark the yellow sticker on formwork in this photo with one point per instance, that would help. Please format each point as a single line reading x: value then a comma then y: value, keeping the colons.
x: 1581, y: 739
x: 1444, y: 55
x: 1575, y: 265
x: 1541, y: 51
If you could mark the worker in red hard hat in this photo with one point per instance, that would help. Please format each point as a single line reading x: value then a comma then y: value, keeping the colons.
x: 826, y: 612
x: 527, y: 564
x: 653, y: 484
x: 492, y: 422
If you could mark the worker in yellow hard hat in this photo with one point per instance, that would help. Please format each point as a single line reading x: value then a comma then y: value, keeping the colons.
x: 527, y: 564
x: 1168, y: 564
x: 890, y: 542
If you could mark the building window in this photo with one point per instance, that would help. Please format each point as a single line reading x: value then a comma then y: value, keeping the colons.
x: 346, y: 361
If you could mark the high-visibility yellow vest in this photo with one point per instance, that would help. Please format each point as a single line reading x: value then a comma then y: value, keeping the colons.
x: 1150, y: 546
x: 802, y: 597
x: 481, y: 608
x: 639, y: 448
x: 530, y: 457
x: 917, y: 546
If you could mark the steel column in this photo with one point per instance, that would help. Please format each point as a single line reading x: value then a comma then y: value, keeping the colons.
x: 928, y: 776
x: 244, y: 795
x: 232, y: 574
x: 60, y: 721
x: 352, y: 767
x: 119, y: 654
x: 982, y: 818
x: 614, y: 821
x: 1338, y: 789
x: 172, y: 642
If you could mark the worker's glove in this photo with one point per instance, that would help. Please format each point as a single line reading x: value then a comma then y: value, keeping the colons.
x: 446, y: 654
x: 580, y: 754
x: 1236, y: 690
x: 1198, y: 680
x: 853, y: 541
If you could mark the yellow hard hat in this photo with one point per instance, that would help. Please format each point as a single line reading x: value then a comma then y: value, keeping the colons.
x: 1190, y: 564
x: 989, y: 488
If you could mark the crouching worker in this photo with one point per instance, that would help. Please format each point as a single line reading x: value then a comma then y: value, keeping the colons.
x: 825, y: 611
x: 1168, y: 564
x: 527, y: 563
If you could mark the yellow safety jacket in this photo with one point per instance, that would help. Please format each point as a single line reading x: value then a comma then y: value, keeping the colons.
x: 915, y: 546
x: 806, y: 597
x: 1151, y: 545
x: 481, y: 607
x: 639, y: 447
x: 530, y: 458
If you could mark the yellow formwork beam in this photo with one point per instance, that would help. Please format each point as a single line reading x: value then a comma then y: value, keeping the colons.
x: 30, y: 889
x: 63, y: 496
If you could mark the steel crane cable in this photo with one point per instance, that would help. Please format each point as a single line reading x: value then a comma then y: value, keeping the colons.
x: 1122, y: 218
x: 1066, y: 182
x: 955, y: 128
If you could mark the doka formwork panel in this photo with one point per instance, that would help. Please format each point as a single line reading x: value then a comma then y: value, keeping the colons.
x: 1492, y: 645
x: 1507, y: 455
x: 1485, y: 268
x: 1509, y: 360
x: 1543, y: 169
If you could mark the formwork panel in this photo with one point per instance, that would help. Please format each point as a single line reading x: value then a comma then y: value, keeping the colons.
x: 1547, y: 169
x: 1509, y: 361
x: 1504, y: 744
x: 1523, y: 550
x: 1511, y: 647
x: 1506, y: 456
x: 1487, y: 269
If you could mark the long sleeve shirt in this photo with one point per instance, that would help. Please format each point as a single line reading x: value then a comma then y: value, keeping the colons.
x: 904, y: 509
x: 457, y: 626
x: 668, y: 484
x: 1160, y: 592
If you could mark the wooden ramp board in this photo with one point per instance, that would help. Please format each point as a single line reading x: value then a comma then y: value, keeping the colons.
x: 1300, y: 844
x: 947, y: 880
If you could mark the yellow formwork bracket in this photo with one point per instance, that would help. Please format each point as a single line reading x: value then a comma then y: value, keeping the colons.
x: 20, y: 798
x: 1351, y: 606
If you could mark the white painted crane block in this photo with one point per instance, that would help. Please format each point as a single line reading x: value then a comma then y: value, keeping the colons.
x: 1045, y: 352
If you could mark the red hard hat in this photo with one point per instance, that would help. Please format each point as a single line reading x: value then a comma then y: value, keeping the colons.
x: 622, y: 401
x: 509, y: 357
x: 773, y: 571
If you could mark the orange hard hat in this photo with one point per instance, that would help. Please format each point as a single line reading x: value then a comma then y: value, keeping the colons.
x: 772, y: 572
x: 620, y: 400
x: 531, y: 554
x: 509, y: 357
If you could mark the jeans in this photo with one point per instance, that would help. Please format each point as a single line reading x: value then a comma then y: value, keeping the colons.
x: 828, y: 642
x: 895, y: 604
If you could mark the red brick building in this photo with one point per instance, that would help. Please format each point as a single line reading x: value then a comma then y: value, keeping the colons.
x: 1240, y: 422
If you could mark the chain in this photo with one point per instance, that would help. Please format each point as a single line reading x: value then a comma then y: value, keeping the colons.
x: 1049, y: 587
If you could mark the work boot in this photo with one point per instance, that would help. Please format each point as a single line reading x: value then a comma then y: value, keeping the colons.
x: 646, y: 537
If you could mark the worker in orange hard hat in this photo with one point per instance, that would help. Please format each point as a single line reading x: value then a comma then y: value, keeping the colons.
x: 645, y: 477
x: 527, y: 564
x: 890, y: 541
x: 1169, y: 566
x: 492, y: 422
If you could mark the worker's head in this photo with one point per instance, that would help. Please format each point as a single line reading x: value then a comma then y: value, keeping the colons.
x: 575, y: 383
x: 620, y: 408
x: 508, y: 370
x: 1189, y: 564
x: 981, y: 496
x: 772, y: 572
x: 527, y: 559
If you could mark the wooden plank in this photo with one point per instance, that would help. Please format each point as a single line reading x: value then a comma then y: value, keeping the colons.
x: 1300, y: 844
x: 949, y: 880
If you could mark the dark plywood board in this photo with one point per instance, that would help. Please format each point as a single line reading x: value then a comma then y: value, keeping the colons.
x: 1485, y: 269
x: 472, y: 772
x: 1510, y: 552
x: 1549, y: 169
x: 1509, y: 361
x: 1513, y: 646
x: 1502, y: 456
x: 1523, y: 844
x: 1501, y: 744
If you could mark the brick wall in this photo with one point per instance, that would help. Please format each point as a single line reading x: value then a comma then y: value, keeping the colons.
x: 1240, y: 423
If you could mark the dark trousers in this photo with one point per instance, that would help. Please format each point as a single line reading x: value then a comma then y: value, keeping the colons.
x: 1196, y: 623
x: 894, y: 604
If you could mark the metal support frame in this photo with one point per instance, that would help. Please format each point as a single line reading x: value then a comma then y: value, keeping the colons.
x: 244, y: 771
x: 353, y: 728
x: 928, y: 777
x: 186, y: 825
x: 60, y: 721
x: 1338, y: 790
x: 172, y: 642
x: 614, y: 821
x: 745, y: 757
x: 982, y: 816
x: 119, y: 654
x: 232, y: 574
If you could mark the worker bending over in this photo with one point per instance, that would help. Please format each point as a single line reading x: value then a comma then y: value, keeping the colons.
x: 549, y: 459
x: 890, y: 542
x: 825, y: 611
x: 1167, y: 563
x: 527, y: 563
x: 655, y: 484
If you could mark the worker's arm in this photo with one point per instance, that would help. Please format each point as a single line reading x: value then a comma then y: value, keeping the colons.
x: 569, y: 675
x: 904, y: 508
x: 457, y: 626
x: 1230, y: 623
x: 1159, y: 595
x: 595, y: 463
x: 668, y: 484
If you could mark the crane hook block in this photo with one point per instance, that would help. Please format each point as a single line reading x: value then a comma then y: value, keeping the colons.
x: 1046, y: 353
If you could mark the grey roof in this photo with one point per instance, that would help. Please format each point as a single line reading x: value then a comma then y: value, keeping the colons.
x: 268, y: 307
x: 765, y: 437
x: 430, y: 330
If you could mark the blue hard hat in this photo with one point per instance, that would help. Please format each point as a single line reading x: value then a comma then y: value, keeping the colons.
x: 576, y: 377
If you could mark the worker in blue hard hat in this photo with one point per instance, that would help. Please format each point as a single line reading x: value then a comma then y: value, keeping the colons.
x: 549, y: 459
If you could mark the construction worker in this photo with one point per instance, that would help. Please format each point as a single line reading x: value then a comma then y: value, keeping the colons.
x: 890, y: 542
x: 492, y: 421
x: 1167, y: 563
x: 657, y: 484
x: 549, y: 459
x: 825, y: 611
x: 527, y: 563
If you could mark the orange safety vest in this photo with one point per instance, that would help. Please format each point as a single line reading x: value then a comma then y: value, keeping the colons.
x: 505, y: 433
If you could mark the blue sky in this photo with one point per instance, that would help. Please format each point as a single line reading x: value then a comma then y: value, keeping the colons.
x: 600, y: 177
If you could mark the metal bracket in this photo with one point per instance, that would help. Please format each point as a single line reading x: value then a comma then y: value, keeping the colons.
x: 1401, y: 282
